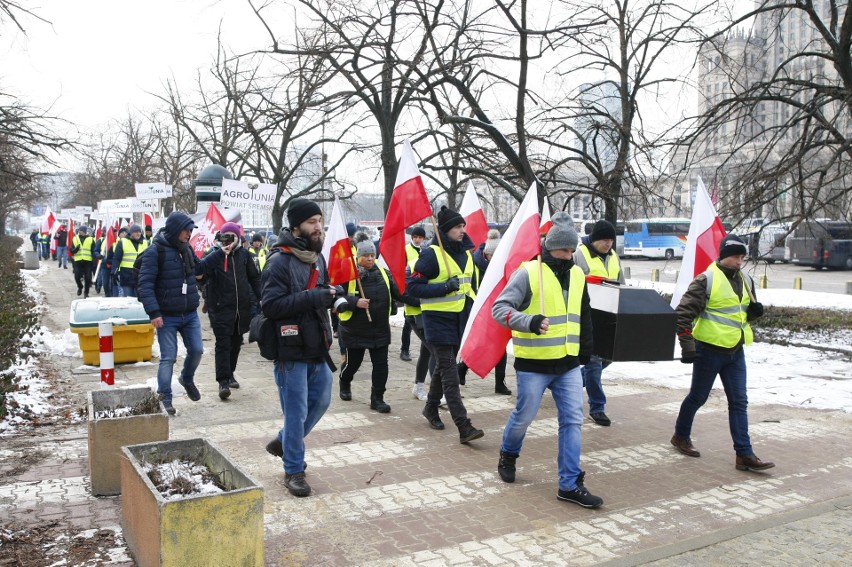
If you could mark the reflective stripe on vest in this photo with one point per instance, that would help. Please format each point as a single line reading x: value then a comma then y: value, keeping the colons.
x: 412, y: 310
x: 346, y: 315
x: 725, y: 319
x: 611, y: 269
x: 84, y: 248
x: 454, y: 302
x: 563, y: 335
x: 130, y: 252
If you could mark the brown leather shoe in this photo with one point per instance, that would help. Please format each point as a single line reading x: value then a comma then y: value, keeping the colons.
x: 684, y: 445
x: 752, y: 463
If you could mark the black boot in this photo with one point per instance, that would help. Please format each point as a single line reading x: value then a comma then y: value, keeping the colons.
x: 378, y: 404
x: 430, y: 412
x: 506, y: 466
x: 345, y: 392
x: 224, y: 391
x: 468, y: 432
x: 500, y: 386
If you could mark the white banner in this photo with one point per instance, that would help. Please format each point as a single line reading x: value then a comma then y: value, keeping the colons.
x: 83, y: 210
x: 247, y: 196
x: 124, y: 207
x: 153, y: 190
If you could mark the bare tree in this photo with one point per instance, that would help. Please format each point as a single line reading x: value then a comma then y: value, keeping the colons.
x: 776, y: 135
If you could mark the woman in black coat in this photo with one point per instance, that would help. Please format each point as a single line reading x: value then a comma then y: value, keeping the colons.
x: 359, y: 333
x: 232, y: 289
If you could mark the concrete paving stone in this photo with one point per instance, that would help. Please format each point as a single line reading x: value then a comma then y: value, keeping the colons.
x: 378, y: 478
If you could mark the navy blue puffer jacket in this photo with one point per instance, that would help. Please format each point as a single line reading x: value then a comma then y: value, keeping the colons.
x: 161, y: 291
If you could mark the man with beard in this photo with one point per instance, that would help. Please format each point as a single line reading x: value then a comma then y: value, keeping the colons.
x: 296, y: 295
x: 549, y: 349
x: 169, y: 295
x: 444, y: 281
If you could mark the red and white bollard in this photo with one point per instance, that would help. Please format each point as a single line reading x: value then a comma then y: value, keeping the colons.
x: 107, y: 354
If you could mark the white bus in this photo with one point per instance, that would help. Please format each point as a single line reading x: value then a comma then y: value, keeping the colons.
x: 656, y: 238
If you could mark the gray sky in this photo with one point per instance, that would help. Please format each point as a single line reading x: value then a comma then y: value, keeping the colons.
x: 97, y: 58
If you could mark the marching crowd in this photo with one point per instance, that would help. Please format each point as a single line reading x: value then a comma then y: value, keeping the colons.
x: 545, y: 304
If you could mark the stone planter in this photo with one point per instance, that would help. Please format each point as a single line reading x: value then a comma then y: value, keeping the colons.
x: 208, y: 529
x: 108, y: 434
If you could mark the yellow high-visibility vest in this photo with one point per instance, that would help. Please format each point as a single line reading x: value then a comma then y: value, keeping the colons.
x: 725, y: 319
x: 260, y: 255
x: 563, y: 335
x: 412, y: 310
x: 454, y: 301
x: 346, y: 315
x: 610, y: 270
x: 130, y: 252
x: 84, y: 248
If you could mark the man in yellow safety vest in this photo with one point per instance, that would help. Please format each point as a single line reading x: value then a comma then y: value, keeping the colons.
x: 81, y: 248
x: 720, y: 302
x: 549, y: 349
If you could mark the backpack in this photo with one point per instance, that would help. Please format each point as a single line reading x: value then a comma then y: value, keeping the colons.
x: 137, y: 263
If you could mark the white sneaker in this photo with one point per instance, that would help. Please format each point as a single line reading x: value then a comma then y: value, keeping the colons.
x: 419, y: 391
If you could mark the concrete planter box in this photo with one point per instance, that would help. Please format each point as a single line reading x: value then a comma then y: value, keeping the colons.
x: 209, y: 529
x: 107, y: 435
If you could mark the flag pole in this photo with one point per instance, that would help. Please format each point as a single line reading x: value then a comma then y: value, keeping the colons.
x: 541, y: 285
x: 361, y: 289
x: 441, y: 246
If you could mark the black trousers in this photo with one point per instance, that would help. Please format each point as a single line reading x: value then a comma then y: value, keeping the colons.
x: 445, y: 382
x: 227, y: 351
x: 354, y: 358
x: 406, y: 334
x: 83, y: 275
x: 424, y: 360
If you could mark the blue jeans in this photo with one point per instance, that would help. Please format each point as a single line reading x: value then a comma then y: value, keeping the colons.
x: 189, y: 326
x: 128, y: 291
x: 732, y: 369
x: 304, y: 390
x: 62, y: 256
x: 567, y: 390
x: 592, y: 382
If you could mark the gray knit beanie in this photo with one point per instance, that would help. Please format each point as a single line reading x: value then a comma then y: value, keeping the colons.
x: 492, y: 242
x: 562, y: 234
x: 365, y: 247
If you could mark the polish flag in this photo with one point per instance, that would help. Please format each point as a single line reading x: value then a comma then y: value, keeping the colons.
x: 408, y: 206
x: 99, y: 230
x: 70, y: 238
x: 49, y: 219
x: 484, y: 340
x: 546, y: 222
x: 475, y: 224
x: 702, y: 243
x: 202, y: 238
x: 149, y: 220
x: 337, y: 249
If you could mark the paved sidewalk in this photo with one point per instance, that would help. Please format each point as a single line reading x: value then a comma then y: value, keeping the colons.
x: 388, y: 490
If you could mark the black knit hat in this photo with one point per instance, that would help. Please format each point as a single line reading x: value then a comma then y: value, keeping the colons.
x: 732, y: 245
x: 448, y: 218
x: 299, y: 210
x: 603, y: 230
x: 418, y: 231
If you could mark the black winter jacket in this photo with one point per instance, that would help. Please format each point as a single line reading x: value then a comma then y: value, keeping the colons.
x: 161, y: 292
x: 359, y: 332
x: 231, y: 290
x: 440, y: 328
x: 301, y: 314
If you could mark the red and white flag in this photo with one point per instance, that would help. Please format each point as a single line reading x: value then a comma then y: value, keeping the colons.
x: 47, y: 223
x: 149, y: 220
x: 337, y: 249
x: 484, y: 340
x: 409, y: 205
x: 70, y: 238
x: 546, y: 221
x: 202, y: 237
x: 476, y: 226
x: 702, y: 243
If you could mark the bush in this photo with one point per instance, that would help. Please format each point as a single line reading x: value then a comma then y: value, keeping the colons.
x: 797, y: 319
x: 17, y: 314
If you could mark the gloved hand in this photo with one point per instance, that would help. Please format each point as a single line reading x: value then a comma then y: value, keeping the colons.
x: 321, y: 297
x: 755, y: 310
x: 584, y: 359
x: 453, y: 284
x: 687, y: 350
x: 535, y: 324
